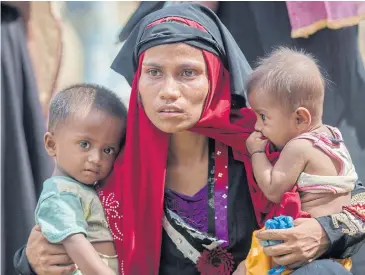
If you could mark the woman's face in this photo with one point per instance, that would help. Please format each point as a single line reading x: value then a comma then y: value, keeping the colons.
x: 173, y: 86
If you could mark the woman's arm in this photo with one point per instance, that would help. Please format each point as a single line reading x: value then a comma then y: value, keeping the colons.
x: 312, y: 238
x: 346, y: 231
x: 21, y: 264
x: 42, y: 258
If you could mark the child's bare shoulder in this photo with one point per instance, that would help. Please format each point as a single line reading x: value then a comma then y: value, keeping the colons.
x: 298, y: 147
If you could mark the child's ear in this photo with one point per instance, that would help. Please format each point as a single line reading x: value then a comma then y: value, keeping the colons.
x: 50, y: 144
x: 303, y: 117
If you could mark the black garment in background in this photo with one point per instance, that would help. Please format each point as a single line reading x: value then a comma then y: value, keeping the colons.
x: 24, y: 162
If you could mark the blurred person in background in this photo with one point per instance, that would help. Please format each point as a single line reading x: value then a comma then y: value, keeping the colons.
x: 39, y: 52
x: 97, y: 24
x: 24, y: 162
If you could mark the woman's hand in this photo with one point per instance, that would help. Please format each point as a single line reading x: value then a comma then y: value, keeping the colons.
x: 46, y: 258
x: 255, y: 142
x: 303, y: 243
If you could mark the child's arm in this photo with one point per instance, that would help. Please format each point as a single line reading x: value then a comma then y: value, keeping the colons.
x: 84, y: 256
x: 61, y: 217
x: 274, y: 181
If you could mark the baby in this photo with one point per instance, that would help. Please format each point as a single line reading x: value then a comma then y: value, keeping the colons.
x: 85, y: 133
x: 286, y: 91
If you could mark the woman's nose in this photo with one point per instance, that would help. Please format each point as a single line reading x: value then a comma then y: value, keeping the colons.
x: 170, y: 90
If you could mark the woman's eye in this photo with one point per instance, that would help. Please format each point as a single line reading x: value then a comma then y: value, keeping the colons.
x: 263, y: 117
x: 109, y: 151
x: 189, y: 73
x: 154, y: 72
x: 84, y: 144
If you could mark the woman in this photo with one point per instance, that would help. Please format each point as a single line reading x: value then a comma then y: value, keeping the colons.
x: 179, y: 199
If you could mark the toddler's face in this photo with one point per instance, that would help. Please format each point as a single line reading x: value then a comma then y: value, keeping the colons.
x: 275, y: 123
x: 86, y: 145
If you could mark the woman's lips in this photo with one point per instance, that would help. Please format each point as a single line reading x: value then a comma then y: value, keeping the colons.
x: 170, y: 111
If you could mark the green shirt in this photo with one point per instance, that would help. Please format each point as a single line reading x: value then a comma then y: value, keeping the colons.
x: 68, y: 207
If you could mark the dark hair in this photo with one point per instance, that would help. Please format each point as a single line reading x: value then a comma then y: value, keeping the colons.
x: 80, y: 97
x: 292, y: 77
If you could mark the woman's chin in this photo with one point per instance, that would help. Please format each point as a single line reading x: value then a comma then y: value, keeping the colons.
x: 172, y: 128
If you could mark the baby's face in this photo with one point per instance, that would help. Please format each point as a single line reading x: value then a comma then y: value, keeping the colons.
x: 86, y: 145
x: 275, y: 123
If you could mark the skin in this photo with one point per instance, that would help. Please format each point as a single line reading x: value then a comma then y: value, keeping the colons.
x: 46, y: 258
x: 303, y: 243
x: 84, y: 146
x: 175, y: 76
x: 299, y: 247
x: 168, y: 77
x: 271, y: 117
x: 280, y: 126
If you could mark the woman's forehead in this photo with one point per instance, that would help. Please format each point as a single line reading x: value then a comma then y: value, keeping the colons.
x: 173, y: 51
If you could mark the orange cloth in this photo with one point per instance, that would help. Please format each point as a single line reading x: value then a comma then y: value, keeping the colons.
x: 257, y: 263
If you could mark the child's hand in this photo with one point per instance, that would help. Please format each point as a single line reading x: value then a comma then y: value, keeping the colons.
x: 255, y: 142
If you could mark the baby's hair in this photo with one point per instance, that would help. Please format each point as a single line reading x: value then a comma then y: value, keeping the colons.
x: 83, y: 97
x: 293, y: 78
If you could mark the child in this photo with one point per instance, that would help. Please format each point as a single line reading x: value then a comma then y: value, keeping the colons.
x: 286, y: 91
x: 85, y: 133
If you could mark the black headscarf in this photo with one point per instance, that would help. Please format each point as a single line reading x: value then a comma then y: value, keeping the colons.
x: 217, y: 40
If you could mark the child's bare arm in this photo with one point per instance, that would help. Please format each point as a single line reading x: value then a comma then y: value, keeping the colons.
x: 274, y: 181
x: 84, y: 256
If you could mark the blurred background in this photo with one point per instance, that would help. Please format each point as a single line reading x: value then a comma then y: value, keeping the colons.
x: 47, y: 46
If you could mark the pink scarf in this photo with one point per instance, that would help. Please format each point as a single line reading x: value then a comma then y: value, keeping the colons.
x: 306, y: 18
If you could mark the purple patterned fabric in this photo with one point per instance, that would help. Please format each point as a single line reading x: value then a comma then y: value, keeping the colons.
x: 221, y: 193
x: 221, y: 226
x: 193, y: 210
